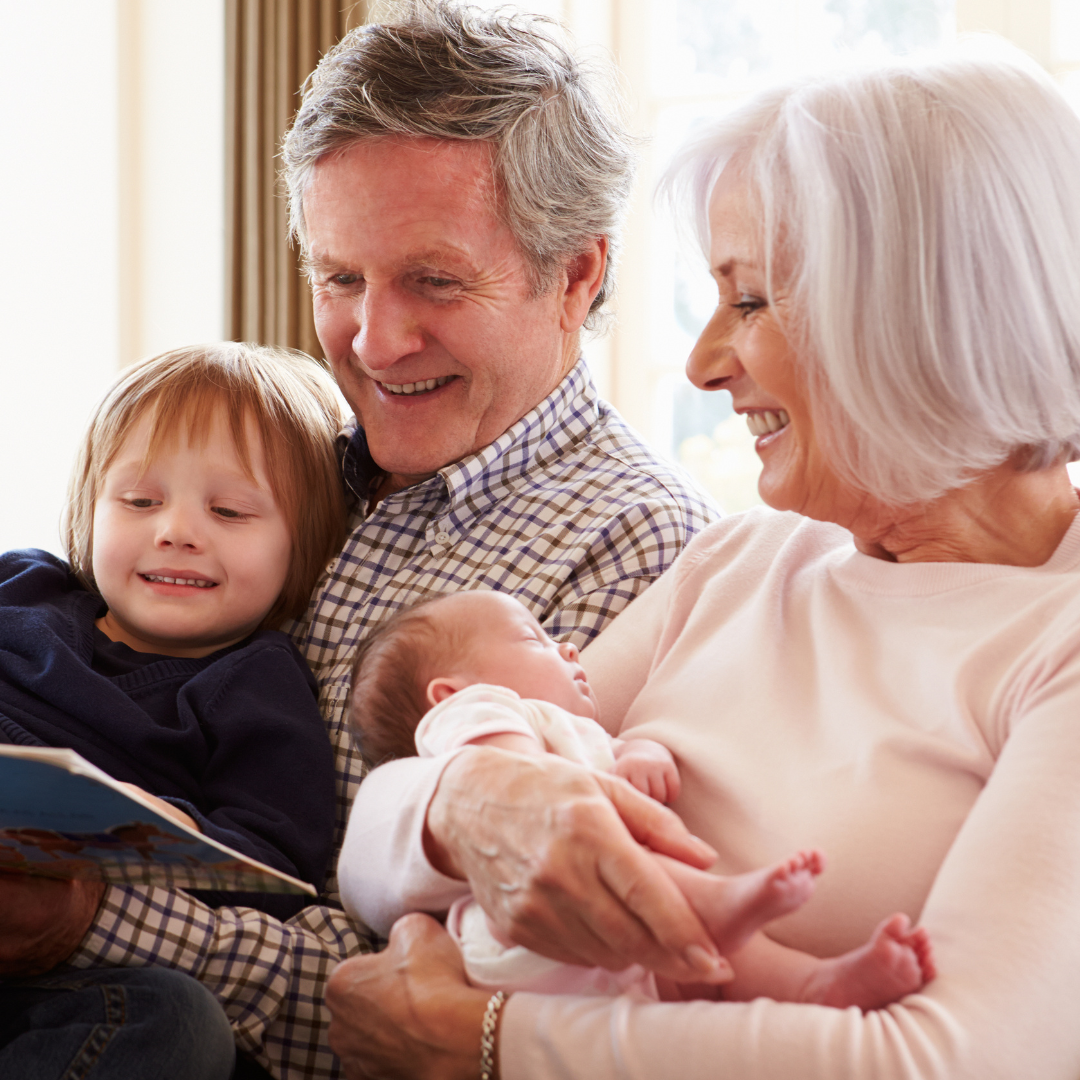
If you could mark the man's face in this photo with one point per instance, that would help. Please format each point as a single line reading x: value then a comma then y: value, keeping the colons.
x: 422, y: 302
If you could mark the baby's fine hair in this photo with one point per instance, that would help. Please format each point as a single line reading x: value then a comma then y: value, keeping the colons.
x: 392, y: 669
x: 292, y: 404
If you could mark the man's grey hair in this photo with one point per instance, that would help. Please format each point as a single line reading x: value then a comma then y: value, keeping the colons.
x: 924, y: 218
x: 562, y: 161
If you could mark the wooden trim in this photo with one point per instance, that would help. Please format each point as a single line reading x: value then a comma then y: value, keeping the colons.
x: 271, y: 47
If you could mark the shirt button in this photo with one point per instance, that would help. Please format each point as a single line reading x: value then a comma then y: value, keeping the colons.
x: 442, y: 538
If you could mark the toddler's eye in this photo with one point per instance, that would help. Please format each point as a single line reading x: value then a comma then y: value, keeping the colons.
x: 225, y: 512
x: 141, y: 504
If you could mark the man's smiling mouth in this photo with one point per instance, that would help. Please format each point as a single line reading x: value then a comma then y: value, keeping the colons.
x: 416, y: 387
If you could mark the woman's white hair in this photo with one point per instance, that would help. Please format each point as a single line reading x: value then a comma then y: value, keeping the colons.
x: 927, y: 217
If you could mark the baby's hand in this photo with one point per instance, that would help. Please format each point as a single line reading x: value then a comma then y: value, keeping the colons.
x: 649, y: 767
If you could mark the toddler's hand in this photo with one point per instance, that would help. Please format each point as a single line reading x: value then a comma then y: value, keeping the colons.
x: 163, y: 807
x: 649, y: 767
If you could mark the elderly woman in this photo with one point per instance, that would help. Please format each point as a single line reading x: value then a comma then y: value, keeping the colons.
x: 888, y: 669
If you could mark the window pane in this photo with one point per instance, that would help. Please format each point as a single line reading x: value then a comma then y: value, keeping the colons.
x: 707, y: 55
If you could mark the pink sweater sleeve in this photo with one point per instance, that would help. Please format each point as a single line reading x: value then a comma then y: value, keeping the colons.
x: 1004, y: 916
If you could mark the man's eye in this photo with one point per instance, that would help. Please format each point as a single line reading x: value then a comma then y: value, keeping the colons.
x: 225, y: 512
x: 345, y: 279
x: 437, y: 282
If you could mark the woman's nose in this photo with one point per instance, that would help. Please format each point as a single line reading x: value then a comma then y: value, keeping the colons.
x: 713, y: 362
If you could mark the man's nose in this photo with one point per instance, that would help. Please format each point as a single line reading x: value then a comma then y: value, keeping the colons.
x: 713, y: 362
x: 388, y: 328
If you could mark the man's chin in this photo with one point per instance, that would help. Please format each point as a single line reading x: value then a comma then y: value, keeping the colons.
x: 417, y: 465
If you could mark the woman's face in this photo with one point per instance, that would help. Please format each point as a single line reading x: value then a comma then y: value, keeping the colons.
x: 743, y: 350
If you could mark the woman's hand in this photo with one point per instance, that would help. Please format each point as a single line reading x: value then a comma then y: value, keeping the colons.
x: 407, y: 1011
x: 42, y: 921
x: 553, y: 853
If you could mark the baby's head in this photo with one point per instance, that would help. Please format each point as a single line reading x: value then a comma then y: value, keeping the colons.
x: 206, y: 498
x: 423, y: 654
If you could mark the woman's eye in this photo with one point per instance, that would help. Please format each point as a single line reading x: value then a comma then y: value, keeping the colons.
x: 748, y: 304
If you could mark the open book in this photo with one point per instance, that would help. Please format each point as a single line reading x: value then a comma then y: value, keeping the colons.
x: 62, y: 817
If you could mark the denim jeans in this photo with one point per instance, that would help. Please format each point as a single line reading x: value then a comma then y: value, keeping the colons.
x: 105, y: 1023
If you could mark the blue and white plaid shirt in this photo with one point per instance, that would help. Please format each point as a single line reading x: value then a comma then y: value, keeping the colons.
x: 567, y: 511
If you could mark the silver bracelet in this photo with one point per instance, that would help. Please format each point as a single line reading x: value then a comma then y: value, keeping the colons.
x: 487, y: 1034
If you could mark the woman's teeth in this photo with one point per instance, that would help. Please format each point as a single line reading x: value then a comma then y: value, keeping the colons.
x: 765, y: 423
x: 197, y: 582
x: 415, y: 387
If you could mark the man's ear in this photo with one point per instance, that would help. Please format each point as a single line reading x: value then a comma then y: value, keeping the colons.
x: 438, y: 690
x: 584, y: 275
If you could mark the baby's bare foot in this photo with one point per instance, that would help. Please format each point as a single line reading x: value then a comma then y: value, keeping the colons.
x: 734, y: 908
x: 897, y: 960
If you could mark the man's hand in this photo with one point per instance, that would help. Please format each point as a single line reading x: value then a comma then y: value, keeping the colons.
x: 553, y: 853
x: 43, y: 921
x: 407, y: 1011
x: 648, y: 767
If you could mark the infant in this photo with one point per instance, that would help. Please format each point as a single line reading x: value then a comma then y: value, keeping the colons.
x: 476, y: 668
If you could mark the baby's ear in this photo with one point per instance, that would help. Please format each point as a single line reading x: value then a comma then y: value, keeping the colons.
x: 438, y: 690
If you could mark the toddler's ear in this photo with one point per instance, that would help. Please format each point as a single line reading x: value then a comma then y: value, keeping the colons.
x: 438, y: 690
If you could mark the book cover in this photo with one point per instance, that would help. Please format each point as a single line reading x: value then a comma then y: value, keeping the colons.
x: 62, y: 817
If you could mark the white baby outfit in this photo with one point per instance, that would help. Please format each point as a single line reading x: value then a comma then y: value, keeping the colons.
x: 483, y: 710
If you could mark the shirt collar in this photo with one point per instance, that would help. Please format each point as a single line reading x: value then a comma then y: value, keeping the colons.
x: 562, y: 419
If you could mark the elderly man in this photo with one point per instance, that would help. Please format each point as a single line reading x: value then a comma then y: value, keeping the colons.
x: 457, y: 190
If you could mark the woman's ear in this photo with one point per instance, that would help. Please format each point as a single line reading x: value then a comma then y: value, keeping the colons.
x: 438, y: 690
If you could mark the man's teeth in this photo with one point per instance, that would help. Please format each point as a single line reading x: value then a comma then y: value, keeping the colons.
x: 415, y: 387
x: 764, y: 423
x: 199, y: 583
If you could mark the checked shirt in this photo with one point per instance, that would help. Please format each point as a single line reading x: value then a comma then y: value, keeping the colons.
x: 567, y: 511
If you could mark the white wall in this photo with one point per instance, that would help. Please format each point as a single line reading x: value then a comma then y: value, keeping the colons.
x: 173, y: 145
x: 58, y: 272
x: 99, y: 187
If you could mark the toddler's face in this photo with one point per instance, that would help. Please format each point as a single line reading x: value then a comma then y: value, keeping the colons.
x: 508, y: 647
x: 190, y: 555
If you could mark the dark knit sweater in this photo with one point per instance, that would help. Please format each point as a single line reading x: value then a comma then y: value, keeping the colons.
x: 234, y: 738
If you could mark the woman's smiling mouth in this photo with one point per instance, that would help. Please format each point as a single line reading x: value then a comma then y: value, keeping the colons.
x: 767, y: 422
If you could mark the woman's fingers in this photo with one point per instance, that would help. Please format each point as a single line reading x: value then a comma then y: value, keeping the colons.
x: 406, y: 1011
x: 553, y: 854
x: 655, y: 826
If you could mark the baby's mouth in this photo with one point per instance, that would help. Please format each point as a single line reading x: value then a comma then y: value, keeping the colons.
x: 767, y: 422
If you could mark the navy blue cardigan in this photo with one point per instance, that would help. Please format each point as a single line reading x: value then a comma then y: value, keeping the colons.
x: 235, y: 737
